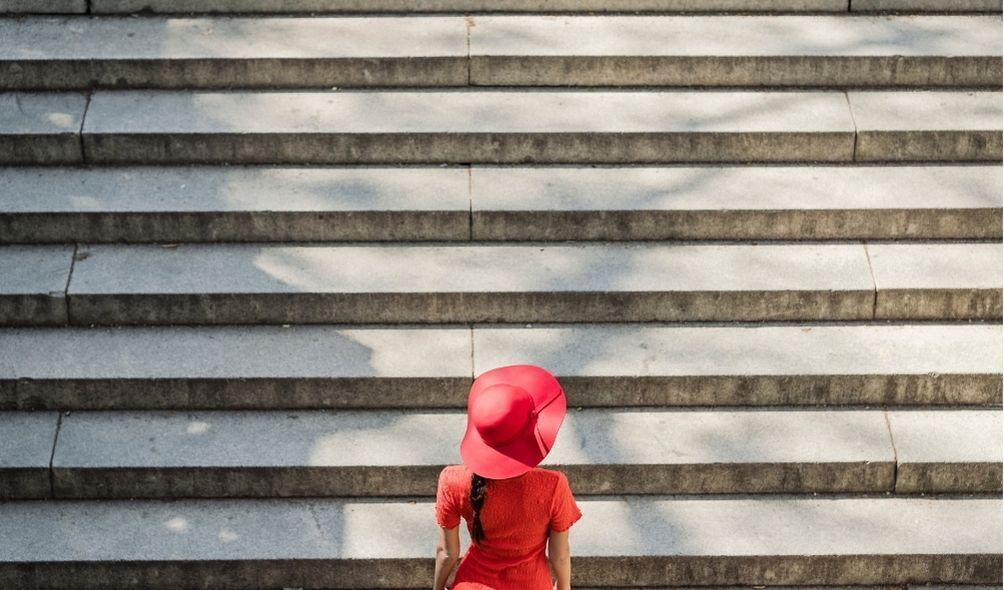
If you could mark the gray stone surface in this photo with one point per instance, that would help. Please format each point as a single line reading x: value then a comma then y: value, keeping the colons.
x: 234, y: 367
x: 927, y: 281
x: 612, y: 365
x: 213, y: 454
x: 735, y: 51
x: 947, y: 451
x: 477, y: 283
x: 740, y: 202
x: 121, y: 52
x: 647, y: 540
x: 398, y: 6
x: 926, y: 5
x: 37, y: 128
x: 26, y: 441
x: 467, y: 126
x: 911, y: 126
x: 43, y: 6
x: 233, y: 204
x: 263, y: 367
x: 34, y: 284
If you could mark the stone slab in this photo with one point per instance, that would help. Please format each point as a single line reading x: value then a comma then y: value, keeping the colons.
x: 26, y: 446
x: 921, y: 125
x: 220, y: 284
x: 235, y: 367
x: 233, y: 204
x: 264, y: 367
x: 158, y: 52
x: 266, y: 454
x: 43, y: 6
x: 400, y: 127
x: 947, y: 281
x: 616, y: 365
x: 33, y: 289
x: 947, y: 451
x: 41, y: 128
x: 404, y: 6
x: 926, y: 5
x: 749, y: 203
x: 736, y: 51
x: 651, y: 541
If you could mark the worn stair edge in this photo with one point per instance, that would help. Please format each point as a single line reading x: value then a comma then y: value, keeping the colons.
x: 41, y: 128
x: 33, y: 289
x: 977, y: 6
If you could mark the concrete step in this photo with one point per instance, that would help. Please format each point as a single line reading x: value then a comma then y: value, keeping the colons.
x: 41, y: 128
x: 214, y: 204
x: 461, y: 6
x: 33, y: 289
x: 599, y: 365
x: 48, y: 53
x: 613, y: 282
x: 653, y: 541
x: 373, y: 453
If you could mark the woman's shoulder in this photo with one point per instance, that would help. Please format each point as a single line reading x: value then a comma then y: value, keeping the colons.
x: 454, y: 475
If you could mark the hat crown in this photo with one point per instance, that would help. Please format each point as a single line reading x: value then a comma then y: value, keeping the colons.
x: 501, y: 412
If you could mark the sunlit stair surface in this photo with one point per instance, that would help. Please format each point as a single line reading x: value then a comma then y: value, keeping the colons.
x: 254, y: 252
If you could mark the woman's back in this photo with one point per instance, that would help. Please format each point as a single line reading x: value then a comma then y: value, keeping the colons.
x: 517, y: 516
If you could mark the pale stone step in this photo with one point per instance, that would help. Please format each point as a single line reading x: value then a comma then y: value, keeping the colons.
x: 651, y: 541
x: 122, y: 52
x: 154, y: 204
x: 930, y: 445
x: 264, y: 367
x: 912, y: 126
x: 737, y: 51
x: 33, y: 282
x: 27, y: 440
x: 373, y: 453
x: 210, y: 204
x: 40, y: 128
x: 229, y: 283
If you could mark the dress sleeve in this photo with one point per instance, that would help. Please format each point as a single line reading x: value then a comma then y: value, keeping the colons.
x: 564, y: 511
x: 447, y: 509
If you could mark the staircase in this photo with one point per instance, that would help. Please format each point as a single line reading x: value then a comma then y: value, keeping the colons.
x: 254, y: 253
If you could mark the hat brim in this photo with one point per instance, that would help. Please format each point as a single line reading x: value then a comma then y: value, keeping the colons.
x: 523, y: 453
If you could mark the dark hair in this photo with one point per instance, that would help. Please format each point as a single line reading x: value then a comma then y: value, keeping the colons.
x: 479, y: 487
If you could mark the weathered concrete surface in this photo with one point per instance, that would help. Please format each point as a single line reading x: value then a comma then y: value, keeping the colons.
x: 926, y: 5
x: 749, y: 203
x: 264, y: 367
x: 43, y: 7
x: 220, y: 284
x: 650, y: 541
x: 616, y: 365
x: 404, y: 6
x: 156, y: 52
x: 947, y: 451
x: 467, y: 126
x: 151, y: 204
x: 923, y: 126
x: 937, y: 281
x: 229, y: 454
x: 37, y: 128
x: 33, y: 285
x: 26, y: 443
x: 235, y: 367
x: 736, y: 51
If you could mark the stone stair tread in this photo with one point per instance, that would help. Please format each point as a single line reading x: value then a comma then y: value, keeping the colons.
x: 281, y: 542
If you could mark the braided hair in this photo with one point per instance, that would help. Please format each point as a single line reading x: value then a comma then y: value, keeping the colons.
x: 479, y: 488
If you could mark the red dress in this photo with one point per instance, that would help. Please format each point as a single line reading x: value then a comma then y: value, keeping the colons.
x: 516, y: 517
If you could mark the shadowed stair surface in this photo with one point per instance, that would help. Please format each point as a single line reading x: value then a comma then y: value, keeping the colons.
x: 69, y: 53
x: 373, y: 453
x: 333, y: 543
x: 263, y: 367
x: 196, y: 204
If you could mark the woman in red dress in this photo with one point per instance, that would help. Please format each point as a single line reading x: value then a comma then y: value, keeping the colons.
x: 514, y: 510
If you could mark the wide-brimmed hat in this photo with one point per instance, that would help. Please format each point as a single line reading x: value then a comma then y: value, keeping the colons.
x: 513, y: 416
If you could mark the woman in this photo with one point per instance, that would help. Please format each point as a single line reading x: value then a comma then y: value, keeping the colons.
x: 514, y: 510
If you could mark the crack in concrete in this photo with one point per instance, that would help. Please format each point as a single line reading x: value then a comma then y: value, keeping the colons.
x: 850, y: 111
x: 895, y: 454
x: 871, y: 272
x: 80, y: 133
x: 52, y: 455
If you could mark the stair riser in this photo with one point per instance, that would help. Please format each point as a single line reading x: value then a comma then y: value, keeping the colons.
x: 625, y: 71
x: 272, y: 226
x: 713, y: 391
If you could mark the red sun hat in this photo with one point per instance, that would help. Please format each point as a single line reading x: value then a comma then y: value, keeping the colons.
x: 513, y: 416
